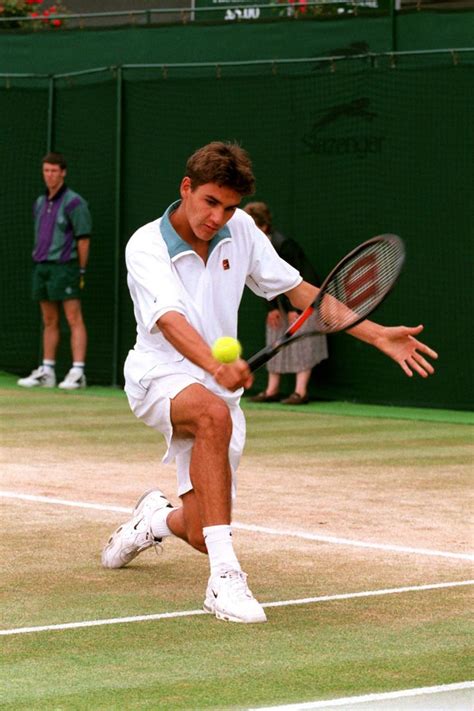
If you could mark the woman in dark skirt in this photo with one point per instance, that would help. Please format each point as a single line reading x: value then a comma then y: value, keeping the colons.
x: 301, y: 356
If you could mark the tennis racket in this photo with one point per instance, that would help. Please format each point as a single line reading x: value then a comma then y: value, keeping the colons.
x: 353, y: 290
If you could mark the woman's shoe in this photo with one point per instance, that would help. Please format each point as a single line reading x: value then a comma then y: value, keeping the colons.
x: 295, y: 399
x: 263, y: 397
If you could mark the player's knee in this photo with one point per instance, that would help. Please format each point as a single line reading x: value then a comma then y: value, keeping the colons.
x: 215, y: 421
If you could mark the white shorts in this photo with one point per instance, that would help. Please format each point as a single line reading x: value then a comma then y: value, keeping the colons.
x: 154, y: 409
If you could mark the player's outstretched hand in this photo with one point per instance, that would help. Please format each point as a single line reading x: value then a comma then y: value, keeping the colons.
x: 234, y: 375
x: 400, y: 344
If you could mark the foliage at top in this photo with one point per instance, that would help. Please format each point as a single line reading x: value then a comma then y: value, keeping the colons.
x: 30, y: 14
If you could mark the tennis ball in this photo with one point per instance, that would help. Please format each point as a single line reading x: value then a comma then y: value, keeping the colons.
x: 226, y: 349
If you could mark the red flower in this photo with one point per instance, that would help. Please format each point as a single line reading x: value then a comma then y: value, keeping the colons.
x: 56, y: 23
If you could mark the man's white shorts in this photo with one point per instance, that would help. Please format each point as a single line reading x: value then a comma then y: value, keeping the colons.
x: 154, y: 409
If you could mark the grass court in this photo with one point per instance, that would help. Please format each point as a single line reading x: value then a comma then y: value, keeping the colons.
x: 352, y: 522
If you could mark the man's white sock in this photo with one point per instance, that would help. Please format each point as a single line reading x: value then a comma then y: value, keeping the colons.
x: 158, y: 525
x: 220, y: 549
x: 48, y: 365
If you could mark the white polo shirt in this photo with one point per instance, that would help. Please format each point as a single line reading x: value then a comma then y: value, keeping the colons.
x: 166, y: 274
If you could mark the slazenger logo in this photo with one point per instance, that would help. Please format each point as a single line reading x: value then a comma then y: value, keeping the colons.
x: 319, y: 140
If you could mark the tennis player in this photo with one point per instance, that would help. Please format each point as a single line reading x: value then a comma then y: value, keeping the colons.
x: 186, y: 274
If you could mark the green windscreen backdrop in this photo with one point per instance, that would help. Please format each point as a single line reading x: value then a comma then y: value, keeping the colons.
x: 342, y: 151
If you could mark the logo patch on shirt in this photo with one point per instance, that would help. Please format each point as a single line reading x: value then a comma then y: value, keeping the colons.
x: 225, y: 264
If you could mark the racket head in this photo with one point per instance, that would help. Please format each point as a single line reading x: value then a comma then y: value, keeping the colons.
x: 359, y: 283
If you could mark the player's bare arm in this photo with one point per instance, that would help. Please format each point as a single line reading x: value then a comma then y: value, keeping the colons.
x: 397, y: 342
x: 302, y: 295
x: 182, y: 336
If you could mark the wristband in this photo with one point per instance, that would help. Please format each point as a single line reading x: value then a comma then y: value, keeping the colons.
x: 82, y: 270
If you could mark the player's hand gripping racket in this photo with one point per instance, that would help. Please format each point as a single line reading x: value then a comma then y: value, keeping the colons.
x: 353, y: 290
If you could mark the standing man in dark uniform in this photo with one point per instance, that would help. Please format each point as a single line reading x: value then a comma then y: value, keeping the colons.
x: 62, y: 236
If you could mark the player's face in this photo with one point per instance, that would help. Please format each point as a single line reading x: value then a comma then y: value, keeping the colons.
x: 53, y: 176
x: 208, y: 207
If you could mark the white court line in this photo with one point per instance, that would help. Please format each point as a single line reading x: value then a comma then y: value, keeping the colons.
x: 192, y: 613
x: 64, y: 502
x: 349, y: 700
x: 352, y: 542
x: 257, y: 529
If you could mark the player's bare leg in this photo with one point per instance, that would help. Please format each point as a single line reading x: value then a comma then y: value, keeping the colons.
x: 204, y: 518
x: 185, y: 522
x: 198, y: 413
x: 206, y: 513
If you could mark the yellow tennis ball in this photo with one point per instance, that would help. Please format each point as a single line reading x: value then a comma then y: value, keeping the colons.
x: 226, y: 349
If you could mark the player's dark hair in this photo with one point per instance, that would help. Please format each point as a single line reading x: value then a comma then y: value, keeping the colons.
x: 226, y: 164
x: 260, y: 213
x: 55, y: 159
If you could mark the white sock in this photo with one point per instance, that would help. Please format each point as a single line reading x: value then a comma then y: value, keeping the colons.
x: 158, y: 524
x: 48, y: 365
x: 220, y: 549
x: 79, y: 365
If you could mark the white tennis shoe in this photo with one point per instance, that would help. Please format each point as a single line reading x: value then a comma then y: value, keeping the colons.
x: 74, y: 380
x: 134, y: 536
x: 229, y: 598
x: 41, y: 377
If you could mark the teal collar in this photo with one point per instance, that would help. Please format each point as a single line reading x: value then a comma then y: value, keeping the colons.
x: 177, y: 246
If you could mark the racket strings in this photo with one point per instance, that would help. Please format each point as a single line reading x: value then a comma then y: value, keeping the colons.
x: 359, y: 284
x: 355, y: 287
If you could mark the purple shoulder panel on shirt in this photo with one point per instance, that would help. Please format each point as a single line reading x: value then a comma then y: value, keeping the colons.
x: 73, y: 204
